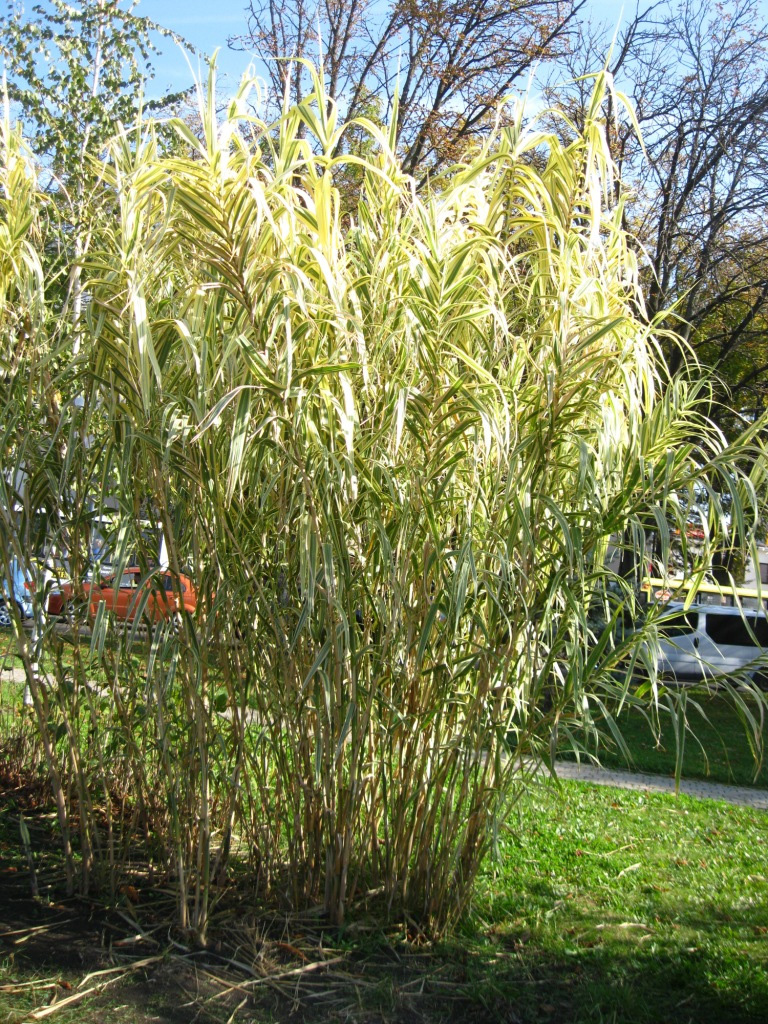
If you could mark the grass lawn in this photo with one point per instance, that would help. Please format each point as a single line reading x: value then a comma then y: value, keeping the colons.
x: 8, y: 656
x: 718, y: 750
x: 611, y: 905
x: 601, y: 905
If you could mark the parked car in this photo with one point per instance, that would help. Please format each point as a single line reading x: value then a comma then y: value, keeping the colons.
x: 706, y: 641
x: 124, y: 596
x: 16, y: 589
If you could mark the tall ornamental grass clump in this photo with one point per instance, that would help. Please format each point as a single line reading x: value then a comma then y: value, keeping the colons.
x: 389, y: 439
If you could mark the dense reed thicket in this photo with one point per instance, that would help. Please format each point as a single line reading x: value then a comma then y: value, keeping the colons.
x: 390, y: 446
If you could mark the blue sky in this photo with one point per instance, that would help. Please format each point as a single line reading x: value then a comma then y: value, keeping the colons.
x: 206, y: 25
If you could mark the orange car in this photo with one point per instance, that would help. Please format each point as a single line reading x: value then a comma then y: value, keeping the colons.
x: 126, y: 597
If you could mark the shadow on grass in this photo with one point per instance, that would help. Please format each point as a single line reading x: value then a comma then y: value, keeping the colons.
x: 586, y: 971
x: 585, y: 983
x: 658, y: 958
x: 598, y: 912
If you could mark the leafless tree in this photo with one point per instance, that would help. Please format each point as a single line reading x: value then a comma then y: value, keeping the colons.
x: 450, y: 62
x: 697, y: 76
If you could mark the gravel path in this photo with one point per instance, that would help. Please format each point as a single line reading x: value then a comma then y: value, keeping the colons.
x: 744, y: 796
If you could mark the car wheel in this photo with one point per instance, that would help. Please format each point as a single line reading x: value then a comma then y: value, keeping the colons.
x: 5, y: 616
x: 760, y: 679
x: 172, y: 624
x: 165, y: 626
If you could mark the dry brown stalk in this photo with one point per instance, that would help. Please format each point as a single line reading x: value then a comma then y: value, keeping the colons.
x: 120, y: 972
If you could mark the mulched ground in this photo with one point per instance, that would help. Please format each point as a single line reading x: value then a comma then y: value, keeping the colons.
x: 134, y: 969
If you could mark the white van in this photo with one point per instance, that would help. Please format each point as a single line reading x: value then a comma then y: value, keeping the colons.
x: 708, y: 641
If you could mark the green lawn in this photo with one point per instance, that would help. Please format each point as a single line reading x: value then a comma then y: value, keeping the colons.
x: 610, y: 905
x: 716, y: 749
